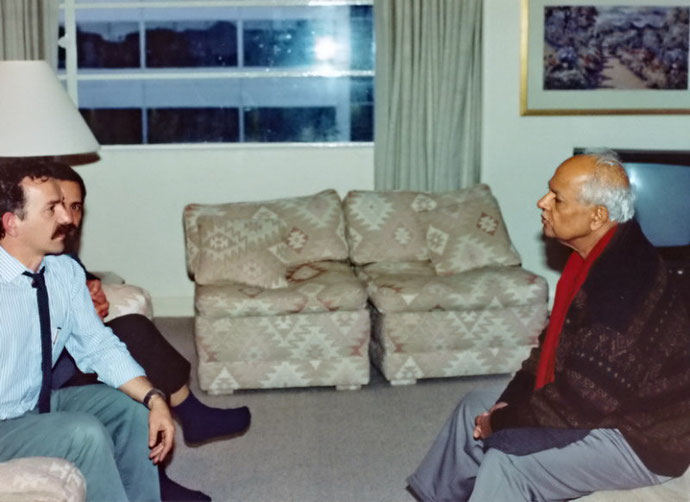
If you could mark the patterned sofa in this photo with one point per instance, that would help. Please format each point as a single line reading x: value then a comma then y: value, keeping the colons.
x: 447, y: 294
x: 276, y: 303
x: 41, y: 479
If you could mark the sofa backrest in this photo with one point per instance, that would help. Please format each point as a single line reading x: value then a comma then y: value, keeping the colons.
x: 315, y: 226
x: 389, y: 227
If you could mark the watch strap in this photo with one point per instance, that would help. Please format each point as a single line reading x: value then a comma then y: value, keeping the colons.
x: 151, y: 393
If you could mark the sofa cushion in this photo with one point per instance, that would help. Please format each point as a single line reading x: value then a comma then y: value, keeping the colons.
x: 41, y: 479
x: 315, y: 226
x: 467, y: 235
x: 243, y: 250
x: 312, y: 287
x: 127, y: 299
x: 385, y: 226
x: 415, y: 287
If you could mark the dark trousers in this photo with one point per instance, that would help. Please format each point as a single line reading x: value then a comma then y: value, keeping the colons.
x: 167, y: 369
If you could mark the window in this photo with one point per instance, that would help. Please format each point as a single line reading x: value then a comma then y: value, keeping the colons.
x: 194, y: 71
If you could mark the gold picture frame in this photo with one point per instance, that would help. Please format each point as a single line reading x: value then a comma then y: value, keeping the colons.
x: 594, y: 67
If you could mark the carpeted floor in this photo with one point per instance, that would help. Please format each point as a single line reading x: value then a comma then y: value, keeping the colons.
x: 317, y: 444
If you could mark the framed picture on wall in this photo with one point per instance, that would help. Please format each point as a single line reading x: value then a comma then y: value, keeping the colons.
x: 584, y: 57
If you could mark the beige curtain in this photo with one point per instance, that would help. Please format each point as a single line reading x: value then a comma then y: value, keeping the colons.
x: 29, y: 30
x: 428, y: 94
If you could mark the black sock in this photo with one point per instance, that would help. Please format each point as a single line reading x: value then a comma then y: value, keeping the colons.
x: 201, y: 422
x: 171, y: 491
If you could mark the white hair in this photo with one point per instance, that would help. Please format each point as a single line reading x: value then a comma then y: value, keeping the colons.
x: 609, y: 186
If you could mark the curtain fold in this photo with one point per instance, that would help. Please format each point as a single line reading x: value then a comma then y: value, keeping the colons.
x: 29, y: 30
x: 428, y: 94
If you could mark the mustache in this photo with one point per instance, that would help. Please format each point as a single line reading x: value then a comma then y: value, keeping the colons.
x: 66, y: 229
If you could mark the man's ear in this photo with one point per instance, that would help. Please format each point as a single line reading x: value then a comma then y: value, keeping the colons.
x: 9, y: 223
x: 600, y: 216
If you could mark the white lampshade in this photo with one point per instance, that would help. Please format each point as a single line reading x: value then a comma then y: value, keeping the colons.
x: 37, y: 117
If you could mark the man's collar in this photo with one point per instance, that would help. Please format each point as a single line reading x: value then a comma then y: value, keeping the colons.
x: 10, y: 267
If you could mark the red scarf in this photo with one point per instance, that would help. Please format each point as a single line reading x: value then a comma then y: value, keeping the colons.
x: 572, y: 279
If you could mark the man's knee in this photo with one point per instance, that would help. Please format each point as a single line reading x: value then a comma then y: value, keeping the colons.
x: 85, y: 430
x: 500, y: 479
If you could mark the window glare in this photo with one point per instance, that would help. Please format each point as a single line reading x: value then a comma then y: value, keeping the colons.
x: 191, y: 72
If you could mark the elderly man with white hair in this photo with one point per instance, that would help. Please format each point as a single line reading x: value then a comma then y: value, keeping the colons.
x: 603, y: 402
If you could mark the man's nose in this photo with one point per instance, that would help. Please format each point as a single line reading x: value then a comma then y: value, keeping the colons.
x: 541, y: 203
x: 65, y: 215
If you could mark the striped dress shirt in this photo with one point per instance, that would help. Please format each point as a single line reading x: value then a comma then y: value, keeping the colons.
x: 74, y: 325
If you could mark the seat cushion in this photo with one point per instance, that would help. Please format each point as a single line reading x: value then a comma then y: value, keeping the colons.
x: 312, y: 287
x: 415, y: 287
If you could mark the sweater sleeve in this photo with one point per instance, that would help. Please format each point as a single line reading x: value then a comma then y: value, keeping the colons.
x: 522, y: 384
x: 592, y: 386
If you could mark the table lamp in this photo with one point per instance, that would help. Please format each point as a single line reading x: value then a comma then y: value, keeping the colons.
x: 37, y: 117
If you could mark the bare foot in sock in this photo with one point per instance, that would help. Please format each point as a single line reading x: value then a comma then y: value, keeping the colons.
x: 202, y: 423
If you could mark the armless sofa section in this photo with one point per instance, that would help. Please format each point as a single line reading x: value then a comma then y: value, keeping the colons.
x: 447, y: 294
x: 276, y: 302
x: 304, y: 291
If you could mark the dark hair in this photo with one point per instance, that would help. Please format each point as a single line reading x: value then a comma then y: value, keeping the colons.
x: 63, y: 172
x: 12, y: 172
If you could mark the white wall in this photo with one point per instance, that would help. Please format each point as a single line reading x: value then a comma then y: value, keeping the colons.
x: 135, y: 198
x: 521, y: 153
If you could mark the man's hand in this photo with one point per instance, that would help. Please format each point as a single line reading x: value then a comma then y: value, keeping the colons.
x: 161, y: 429
x: 161, y: 425
x: 100, y: 302
x: 482, y: 423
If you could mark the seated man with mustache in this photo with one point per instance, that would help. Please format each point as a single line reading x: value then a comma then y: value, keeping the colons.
x: 165, y: 366
x: 113, y: 431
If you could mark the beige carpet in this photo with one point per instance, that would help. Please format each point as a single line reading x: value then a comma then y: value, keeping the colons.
x: 318, y: 444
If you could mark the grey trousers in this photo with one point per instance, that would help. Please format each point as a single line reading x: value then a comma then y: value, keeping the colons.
x: 98, y: 428
x: 456, y: 468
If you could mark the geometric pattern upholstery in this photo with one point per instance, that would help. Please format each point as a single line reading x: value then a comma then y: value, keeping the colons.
x: 387, y: 226
x: 295, y: 350
x: 407, y: 346
x: 383, y: 226
x: 311, y: 330
x: 41, y: 479
x: 447, y: 294
x: 319, y: 328
x: 415, y: 287
x: 313, y: 287
x: 465, y: 236
x: 479, y: 322
x: 126, y: 299
x: 315, y: 226
x: 245, y: 250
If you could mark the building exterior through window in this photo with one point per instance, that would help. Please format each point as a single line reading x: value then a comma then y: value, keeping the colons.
x: 154, y: 72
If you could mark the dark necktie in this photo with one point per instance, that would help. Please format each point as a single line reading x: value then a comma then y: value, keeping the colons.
x: 46, y: 346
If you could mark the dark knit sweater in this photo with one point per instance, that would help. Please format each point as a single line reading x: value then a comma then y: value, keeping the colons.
x: 623, y: 360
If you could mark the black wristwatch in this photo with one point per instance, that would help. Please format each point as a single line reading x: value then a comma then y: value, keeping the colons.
x: 151, y: 393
